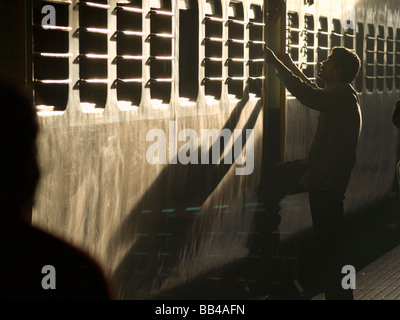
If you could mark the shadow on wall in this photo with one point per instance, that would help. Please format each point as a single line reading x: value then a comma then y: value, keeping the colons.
x: 157, y: 232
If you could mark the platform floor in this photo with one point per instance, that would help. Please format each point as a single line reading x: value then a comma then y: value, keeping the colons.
x: 374, y: 247
x: 377, y: 249
x: 380, y: 280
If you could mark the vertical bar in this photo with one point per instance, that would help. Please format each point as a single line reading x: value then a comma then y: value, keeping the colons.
x: 111, y: 100
x: 73, y: 107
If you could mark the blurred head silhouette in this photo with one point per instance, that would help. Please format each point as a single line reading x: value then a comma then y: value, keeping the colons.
x: 25, y: 249
x: 18, y: 164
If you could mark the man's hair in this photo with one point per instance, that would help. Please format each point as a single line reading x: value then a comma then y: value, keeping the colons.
x: 348, y: 61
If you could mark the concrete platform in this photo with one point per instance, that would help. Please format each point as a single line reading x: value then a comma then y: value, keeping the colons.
x: 377, y: 252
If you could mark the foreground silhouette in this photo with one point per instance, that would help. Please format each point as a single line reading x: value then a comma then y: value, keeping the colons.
x: 34, y: 264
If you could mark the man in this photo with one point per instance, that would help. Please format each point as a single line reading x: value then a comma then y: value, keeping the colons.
x: 326, y: 172
x: 34, y: 264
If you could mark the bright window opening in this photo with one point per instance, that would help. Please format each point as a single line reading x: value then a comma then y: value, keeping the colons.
x: 323, y: 46
x: 370, y: 59
x: 309, y: 47
x: 161, y: 52
x: 390, y: 60
x: 349, y: 37
x: 213, y: 44
x: 236, y: 43
x: 93, y: 54
x: 380, y: 65
x: 51, y: 56
x: 129, y: 54
x: 336, y: 34
x: 256, y: 46
x: 189, y: 51
x: 293, y: 36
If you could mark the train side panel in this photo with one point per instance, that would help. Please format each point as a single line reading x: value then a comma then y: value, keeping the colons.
x: 115, y: 182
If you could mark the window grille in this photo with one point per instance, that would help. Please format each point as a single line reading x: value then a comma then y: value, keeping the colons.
x: 293, y: 36
x: 349, y: 38
x: 93, y: 54
x: 188, y: 51
x: 51, y: 57
x: 161, y: 51
x: 397, y: 69
x: 390, y: 60
x: 256, y: 50
x: 380, y: 65
x: 323, y: 46
x: 370, y: 58
x: 236, y: 42
x: 309, y: 47
x: 129, y: 58
x: 336, y: 34
x: 360, y: 52
x: 213, y: 44
x: 120, y: 53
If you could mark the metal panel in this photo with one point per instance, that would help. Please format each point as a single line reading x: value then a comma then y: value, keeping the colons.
x: 151, y: 226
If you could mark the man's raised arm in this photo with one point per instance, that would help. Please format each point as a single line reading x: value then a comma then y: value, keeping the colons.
x: 307, y: 93
x: 288, y: 62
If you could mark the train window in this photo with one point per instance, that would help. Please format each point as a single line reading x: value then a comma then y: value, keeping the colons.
x: 349, y: 38
x: 390, y: 59
x: 370, y: 61
x: 256, y: 46
x: 236, y: 43
x: 188, y: 50
x: 293, y: 36
x: 380, y: 66
x: 397, y: 68
x: 93, y: 54
x: 161, y: 53
x: 323, y: 47
x: 51, y: 79
x: 129, y: 54
x: 336, y: 34
x: 360, y: 53
x: 213, y: 44
x: 309, y: 47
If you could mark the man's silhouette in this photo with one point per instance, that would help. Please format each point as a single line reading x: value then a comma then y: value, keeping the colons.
x: 326, y: 172
x: 34, y: 264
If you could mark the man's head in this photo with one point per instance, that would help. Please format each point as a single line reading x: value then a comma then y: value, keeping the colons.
x: 342, y: 65
x: 19, y: 172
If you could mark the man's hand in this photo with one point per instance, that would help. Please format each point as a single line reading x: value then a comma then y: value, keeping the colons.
x: 287, y: 61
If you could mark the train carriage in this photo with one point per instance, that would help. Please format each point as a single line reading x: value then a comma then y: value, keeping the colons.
x: 157, y: 118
